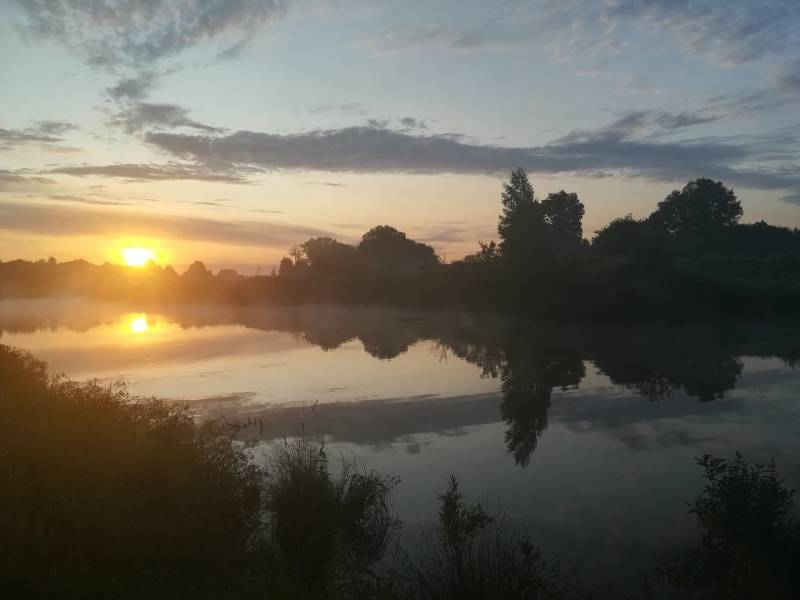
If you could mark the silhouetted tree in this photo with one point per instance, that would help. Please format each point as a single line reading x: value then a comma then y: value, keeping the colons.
x: 487, y: 255
x: 563, y: 213
x: 522, y: 227
x: 634, y: 238
x: 702, y: 206
x: 286, y: 267
x: 197, y: 271
x: 384, y: 247
x: 227, y: 276
x: 326, y: 256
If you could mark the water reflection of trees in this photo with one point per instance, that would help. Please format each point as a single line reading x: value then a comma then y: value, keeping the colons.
x: 657, y: 362
x: 529, y: 359
x: 529, y: 374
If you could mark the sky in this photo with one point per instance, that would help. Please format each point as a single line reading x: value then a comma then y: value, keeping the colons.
x: 229, y: 130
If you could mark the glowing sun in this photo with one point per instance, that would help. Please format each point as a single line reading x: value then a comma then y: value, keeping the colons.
x: 139, y: 324
x: 137, y: 257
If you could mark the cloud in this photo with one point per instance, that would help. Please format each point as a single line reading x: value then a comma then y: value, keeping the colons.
x: 326, y: 183
x: 630, y: 145
x: 136, y: 33
x: 142, y: 115
x: 84, y: 200
x: 152, y: 172
x: 684, y: 119
x: 730, y: 33
x: 47, y: 132
x: 20, y: 177
x: 792, y: 199
x: 782, y: 91
x: 52, y: 220
x: 354, y: 149
x: 133, y: 88
x: 412, y: 123
x: 789, y: 78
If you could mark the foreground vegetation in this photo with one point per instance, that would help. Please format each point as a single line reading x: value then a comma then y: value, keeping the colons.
x: 107, y: 496
x: 690, y: 259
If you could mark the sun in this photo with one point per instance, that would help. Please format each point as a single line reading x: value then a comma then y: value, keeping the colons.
x: 137, y: 257
x: 139, y: 324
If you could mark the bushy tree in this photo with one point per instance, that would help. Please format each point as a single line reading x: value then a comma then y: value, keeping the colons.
x: 327, y: 256
x: 563, y: 213
x: 702, y: 206
x: 384, y: 247
x: 286, y: 267
x: 197, y: 271
x: 633, y: 238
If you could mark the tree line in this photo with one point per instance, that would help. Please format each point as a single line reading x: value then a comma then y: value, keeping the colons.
x: 691, y: 257
x: 701, y: 218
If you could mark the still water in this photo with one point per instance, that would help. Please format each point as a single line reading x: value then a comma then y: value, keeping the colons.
x: 584, y: 436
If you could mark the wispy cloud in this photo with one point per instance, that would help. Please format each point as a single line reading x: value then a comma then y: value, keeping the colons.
x: 20, y: 178
x: 135, y: 33
x: 51, y: 219
x: 40, y: 132
x: 135, y: 88
x: 142, y: 115
x: 730, y: 33
x: 84, y: 200
x: 152, y: 172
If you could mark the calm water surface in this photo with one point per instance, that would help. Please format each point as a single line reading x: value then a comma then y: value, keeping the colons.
x: 585, y: 436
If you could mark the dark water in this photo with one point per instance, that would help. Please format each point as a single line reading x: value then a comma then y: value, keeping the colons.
x: 584, y: 435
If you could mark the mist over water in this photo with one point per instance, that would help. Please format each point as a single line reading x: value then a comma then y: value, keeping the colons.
x: 585, y: 436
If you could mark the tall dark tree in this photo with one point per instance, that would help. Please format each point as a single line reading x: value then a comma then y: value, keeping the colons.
x: 702, y: 206
x: 522, y: 227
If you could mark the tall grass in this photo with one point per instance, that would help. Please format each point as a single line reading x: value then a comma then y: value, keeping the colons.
x: 328, y: 530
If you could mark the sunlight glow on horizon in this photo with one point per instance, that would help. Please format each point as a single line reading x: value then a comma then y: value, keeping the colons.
x: 138, y: 257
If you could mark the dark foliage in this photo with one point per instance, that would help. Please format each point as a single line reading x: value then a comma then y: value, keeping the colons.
x: 102, y: 495
x: 640, y: 239
x: 107, y: 496
x: 328, y: 530
x: 750, y: 535
x: 702, y: 206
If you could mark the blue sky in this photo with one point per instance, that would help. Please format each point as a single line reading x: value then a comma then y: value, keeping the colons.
x: 229, y: 130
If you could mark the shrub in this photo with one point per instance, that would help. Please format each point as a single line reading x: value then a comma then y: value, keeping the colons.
x: 328, y: 530
x: 750, y: 535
